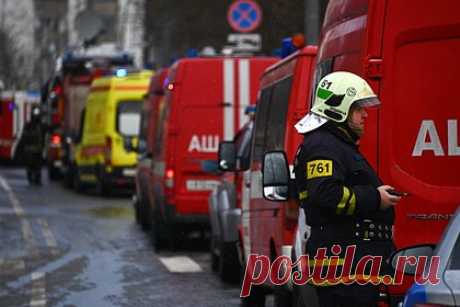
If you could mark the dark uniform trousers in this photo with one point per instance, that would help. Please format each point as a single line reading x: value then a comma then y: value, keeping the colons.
x: 337, y: 190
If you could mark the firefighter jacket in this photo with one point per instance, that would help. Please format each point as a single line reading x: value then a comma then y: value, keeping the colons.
x: 338, y: 191
x: 31, y: 143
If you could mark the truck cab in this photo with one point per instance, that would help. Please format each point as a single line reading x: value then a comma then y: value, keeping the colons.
x: 204, y: 103
x: 405, y: 50
x: 268, y: 227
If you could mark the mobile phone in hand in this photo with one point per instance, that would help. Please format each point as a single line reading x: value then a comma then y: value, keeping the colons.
x: 397, y: 193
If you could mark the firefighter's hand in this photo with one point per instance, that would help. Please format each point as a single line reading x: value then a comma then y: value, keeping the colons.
x: 386, y: 199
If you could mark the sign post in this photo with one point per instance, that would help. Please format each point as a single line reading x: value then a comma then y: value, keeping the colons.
x: 244, y: 16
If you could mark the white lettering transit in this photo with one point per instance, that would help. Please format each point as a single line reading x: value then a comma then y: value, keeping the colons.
x: 428, y: 139
x: 204, y: 143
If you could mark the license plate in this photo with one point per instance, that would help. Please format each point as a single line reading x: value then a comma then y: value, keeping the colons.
x: 201, y: 185
x: 129, y: 172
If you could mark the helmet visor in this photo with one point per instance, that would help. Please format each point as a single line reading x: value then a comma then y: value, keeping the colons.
x: 368, y: 102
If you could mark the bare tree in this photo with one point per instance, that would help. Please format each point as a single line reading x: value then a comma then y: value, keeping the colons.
x: 8, y: 52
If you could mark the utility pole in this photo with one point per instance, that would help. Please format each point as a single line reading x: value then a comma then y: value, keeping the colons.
x: 314, y: 15
x: 2, y: 16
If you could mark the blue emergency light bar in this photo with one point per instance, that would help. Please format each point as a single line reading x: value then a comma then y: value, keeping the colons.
x: 120, y: 73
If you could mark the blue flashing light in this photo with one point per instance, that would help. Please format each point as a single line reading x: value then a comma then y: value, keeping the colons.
x: 121, y: 73
x: 287, y: 47
x: 250, y: 110
x: 192, y: 53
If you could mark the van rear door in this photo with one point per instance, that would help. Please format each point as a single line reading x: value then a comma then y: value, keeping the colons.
x: 420, y: 115
x: 199, y: 140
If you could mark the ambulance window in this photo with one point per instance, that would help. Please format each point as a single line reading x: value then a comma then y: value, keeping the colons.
x: 261, y: 123
x: 277, y: 114
x: 129, y: 118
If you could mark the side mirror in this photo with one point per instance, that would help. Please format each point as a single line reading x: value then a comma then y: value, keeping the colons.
x: 275, y: 176
x: 227, y: 156
x: 412, y: 251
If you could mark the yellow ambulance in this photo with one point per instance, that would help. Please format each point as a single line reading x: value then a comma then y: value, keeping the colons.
x: 111, y: 119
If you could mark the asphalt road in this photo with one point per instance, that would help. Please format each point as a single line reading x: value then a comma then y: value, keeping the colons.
x: 60, y: 248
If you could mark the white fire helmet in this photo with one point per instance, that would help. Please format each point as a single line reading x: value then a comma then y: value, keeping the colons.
x: 334, y: 96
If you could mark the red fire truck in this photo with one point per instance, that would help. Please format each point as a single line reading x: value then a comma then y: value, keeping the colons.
x: 268, y: 227
x: 408, y: 52
x: 151, y: 110
x: 204, y: 103
x: 15, y: 108
x: 66, y: 98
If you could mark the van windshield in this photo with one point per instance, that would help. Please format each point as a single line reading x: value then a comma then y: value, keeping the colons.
x: 129, y: 117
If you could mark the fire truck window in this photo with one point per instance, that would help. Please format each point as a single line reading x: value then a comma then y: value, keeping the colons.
x: 455, y: 256
x: 163, y: 111
x: 243, y: 145
x: 144, y: 126
x: 274, y: 138
x: 129, y: 117
x: 322, y: 69
x: 261, y: 124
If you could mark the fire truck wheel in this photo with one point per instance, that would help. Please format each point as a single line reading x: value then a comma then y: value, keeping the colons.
x: 102, y: 189
x: 137, y: 214
x: 214, y: 256
x: 53, y: 173
x: 68, y: 176
x: 142, y: 215
x: 229, y: 266
x: 77, y: 184
x: 157, y: 235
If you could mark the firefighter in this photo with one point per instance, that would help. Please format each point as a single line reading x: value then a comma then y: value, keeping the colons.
x: 345, y: 202
x: 31, y: 144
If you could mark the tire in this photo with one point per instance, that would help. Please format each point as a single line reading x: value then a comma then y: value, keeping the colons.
x: 157, y: 232
x: 143, y: 216
x: 102, y: 189
x: 137, y: 214
x: 214, y: 256
x: 229, y: 266
x: 76, y: 183
x: 53, y: 173
x: 68, y: 176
